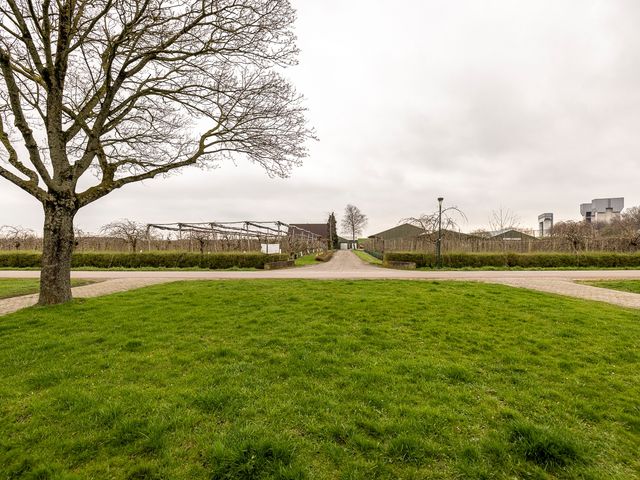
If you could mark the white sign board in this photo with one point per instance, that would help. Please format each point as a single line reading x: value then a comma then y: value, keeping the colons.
x: 270, y: 247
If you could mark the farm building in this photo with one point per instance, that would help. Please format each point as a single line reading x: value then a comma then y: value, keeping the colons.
x: 320, y: 229
x: 409, y: 237
x: 406, y: 230
x: 509, y: 234
x: 347, y: 244
x: 446, y: 235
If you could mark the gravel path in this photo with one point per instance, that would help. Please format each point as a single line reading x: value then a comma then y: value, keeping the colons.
x: 345, y: 265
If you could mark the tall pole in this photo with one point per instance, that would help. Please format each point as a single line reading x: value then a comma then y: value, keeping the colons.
x: 439, y: 242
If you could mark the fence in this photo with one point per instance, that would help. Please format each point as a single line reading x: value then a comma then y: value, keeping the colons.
x: 483, y: 245
x: 209, y: 237
x: 195, y: 245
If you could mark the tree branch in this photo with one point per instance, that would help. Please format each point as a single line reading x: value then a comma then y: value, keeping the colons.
x: 20, y: 120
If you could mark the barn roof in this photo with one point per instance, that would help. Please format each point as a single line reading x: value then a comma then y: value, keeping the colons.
x: 321, y: 229
x: 406, y: 230
x: 510, y: 233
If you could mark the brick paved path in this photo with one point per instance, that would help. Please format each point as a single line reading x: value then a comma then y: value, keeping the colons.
x: 9, y: 305
x: 345, y: 265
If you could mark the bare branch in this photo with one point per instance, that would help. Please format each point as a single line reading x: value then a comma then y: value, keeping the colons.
x: 20, y: 120
x: 132, y: 89
x: 353, y: 222
x: 430, y: 222
x: 503, y: 219
x: 128, y: 230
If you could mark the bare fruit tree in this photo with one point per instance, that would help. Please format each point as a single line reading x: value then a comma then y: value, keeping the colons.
x: 201, y: 237
x: 575, y: 233
x: 128, y: 230
x: 16, y: 236
x: 131, y: 89
x: 503, y: 219
x: 430, y: 222
x: 353, y: 222
x: 627, y: 226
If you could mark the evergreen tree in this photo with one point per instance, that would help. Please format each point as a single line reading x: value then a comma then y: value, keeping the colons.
x: 333, y: 241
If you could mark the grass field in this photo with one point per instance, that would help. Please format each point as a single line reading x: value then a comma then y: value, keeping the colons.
x: 321, y: 380
x: 15, y: 287
x: 367, y: 258
x: 307, y: 260
x: 632, y: 286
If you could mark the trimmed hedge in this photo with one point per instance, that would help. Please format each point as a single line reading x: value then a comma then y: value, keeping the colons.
x: 375, y: 254
x: 519, y: 260
x: 214, y: 261
x: 19, y: 259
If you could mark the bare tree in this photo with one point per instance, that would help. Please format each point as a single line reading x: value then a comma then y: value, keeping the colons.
x: 127, y: 230
x: 503, y: 219
x: 576, y: 233
x: 626, y: 227
x: 201, y: 237
x: 430, y: 222
x: 16, y: 236
x: 78, y: 235
x: 353, y: 222
x: 133, y: 89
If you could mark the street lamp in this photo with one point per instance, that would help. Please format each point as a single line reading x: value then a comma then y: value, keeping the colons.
x: 439, y: 242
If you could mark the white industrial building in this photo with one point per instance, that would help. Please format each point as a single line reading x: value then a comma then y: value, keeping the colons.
x: 602, y: 210
x: 545, y: 224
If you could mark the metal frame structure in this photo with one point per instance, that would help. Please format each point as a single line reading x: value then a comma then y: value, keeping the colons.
x: 297, y: 239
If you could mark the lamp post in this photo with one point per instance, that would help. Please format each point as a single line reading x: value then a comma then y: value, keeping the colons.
x: 439, y: 242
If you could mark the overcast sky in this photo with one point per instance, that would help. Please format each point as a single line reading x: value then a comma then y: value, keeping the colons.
x: 533, y: 105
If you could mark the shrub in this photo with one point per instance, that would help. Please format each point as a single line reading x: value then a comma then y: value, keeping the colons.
x: 519, y: 260
x: 214, y: 261
x: 324, y: 256
x: 20, y: 259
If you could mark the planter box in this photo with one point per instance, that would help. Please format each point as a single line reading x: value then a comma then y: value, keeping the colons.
x: 277, y: 265
x: 399, y: 265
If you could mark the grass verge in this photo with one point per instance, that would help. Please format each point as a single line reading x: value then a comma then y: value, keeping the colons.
x: 10, y: 287
x: 307, y: 260
x: 632, y: 286
x: 367, y: 258
x: 321, y: 380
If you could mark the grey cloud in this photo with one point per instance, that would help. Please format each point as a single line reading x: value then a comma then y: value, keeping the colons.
x: 533, y: 105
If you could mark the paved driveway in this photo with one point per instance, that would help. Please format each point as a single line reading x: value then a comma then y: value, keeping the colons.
x: 345, y: 265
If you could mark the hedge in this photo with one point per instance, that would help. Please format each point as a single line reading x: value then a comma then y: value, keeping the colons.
x: 215, y: 261
x: 375, y: 254
x: 521, y: 260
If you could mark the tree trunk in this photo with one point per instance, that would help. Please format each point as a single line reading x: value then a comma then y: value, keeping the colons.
x: 55, y: 277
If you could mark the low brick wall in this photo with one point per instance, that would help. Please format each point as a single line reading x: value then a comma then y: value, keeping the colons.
x: 399, y: 265
x: 281, y: 264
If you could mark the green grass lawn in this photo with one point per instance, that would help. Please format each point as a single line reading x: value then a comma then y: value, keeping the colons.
x: 307, y: 260
x: 632, y: 286
x: 321, y: 380
x: 521, y: 269
x: 10, y: 287
x: 367, y: 258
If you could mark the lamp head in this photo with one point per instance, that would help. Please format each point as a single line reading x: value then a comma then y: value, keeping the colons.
x: 440, y: 199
